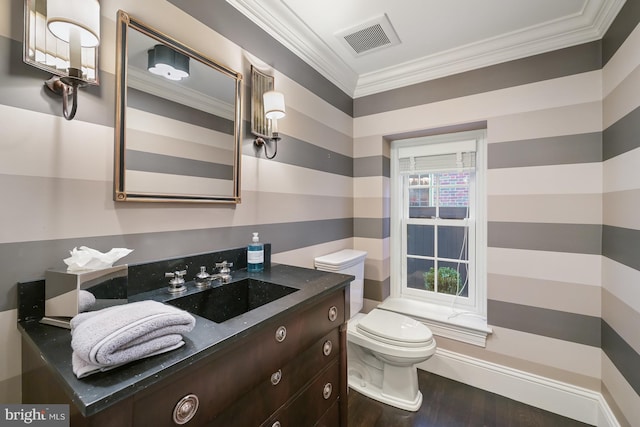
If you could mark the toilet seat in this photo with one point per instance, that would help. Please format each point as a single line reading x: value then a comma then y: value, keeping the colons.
x: 394, y: 329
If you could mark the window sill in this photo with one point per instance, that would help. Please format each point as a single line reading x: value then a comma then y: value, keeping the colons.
x: 444, y: 322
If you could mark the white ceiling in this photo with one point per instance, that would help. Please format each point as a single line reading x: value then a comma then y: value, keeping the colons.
x: 437, y: 37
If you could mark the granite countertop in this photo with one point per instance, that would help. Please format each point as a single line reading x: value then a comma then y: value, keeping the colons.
x: 98, y: 391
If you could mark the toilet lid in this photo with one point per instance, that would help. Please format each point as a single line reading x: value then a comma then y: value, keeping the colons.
x: 394, y: 328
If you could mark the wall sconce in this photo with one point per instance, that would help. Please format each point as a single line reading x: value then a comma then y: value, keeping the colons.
x: 62, y: 37
x: 267, y: 107
x: 166, y: 62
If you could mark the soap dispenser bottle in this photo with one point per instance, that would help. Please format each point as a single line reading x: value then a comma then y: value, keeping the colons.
x: 255, y: 255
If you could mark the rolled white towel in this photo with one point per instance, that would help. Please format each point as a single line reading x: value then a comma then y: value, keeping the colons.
x: 117, y: 335
x: 86, y: 300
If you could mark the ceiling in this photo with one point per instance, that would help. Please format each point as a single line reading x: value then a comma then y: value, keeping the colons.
x: 420, y: 40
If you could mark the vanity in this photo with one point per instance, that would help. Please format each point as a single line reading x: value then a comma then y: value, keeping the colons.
x: 280, y: 364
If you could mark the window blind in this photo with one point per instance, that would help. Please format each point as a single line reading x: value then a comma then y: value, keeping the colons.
x: 442, y: 162
x: 454, y: 156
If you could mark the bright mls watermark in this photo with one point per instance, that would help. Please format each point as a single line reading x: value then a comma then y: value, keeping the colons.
x: 34, y: 415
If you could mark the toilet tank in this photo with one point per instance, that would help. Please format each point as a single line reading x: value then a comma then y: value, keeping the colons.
x: 347, y: 261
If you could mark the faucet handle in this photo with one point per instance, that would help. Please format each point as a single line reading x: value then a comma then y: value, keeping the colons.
x: 225, y: 271
x: 176, y: 276
x: 203, y: 273
x: 176, y: 284
x: 224, y: 264
x: 203, y: 279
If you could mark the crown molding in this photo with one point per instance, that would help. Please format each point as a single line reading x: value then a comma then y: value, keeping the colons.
x: 286, y: 27
x: 159, y: 86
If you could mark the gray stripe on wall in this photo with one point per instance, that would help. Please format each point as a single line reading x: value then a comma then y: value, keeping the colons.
x: 15, y: 257
x: 372, y: 228
x: 371, y: 166
x: 561, y: 325
x: 621, y: 245
x: 557, y: 150
x: 376, y: 290
x: 573, y: 238
x: 622, y: 136
x: 226, y: 20
x: 296, y: 152
x: 623, y: 356
x: 22, y: 86
x: 558, y: 63
x: 623, y: 24
x: 174, y: 110
x: 159, y: 163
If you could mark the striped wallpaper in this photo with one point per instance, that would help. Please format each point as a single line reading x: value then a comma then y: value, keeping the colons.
x: 562, y: 186
x: 562, y: 206
x: 58, y: 175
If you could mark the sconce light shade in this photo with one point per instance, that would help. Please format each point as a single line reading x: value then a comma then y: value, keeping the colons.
x: 65, y: 15
x: 274, y: 105
x: 166, y: 62
x: 76, y: 22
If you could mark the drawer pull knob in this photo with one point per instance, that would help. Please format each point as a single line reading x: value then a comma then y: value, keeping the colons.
x: 276, y: 377
x: 327, y: 347
x: 276, y: 424
x: 185, y: 409
x: 326, y: 391
x: 281, y: 333
x: 333, y: 313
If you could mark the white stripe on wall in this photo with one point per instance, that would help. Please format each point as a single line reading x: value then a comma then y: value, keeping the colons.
x: 568, y: 356
x: 546, y: 208
x: 557, y: 266
x: 536, y: 293
x: 622, y: 282
x: 583, y: 178
x: 575, y: 89
x: 54, y: 147
x: 622, y: 172
x: 625, y: 396
x: 565, y: 120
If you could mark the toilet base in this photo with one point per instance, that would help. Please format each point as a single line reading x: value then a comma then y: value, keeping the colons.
x: 375, y: 393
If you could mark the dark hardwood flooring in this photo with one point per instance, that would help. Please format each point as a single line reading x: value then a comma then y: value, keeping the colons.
x: 447, y: 403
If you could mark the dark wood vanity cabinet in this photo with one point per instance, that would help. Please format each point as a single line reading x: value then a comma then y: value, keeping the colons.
x: 289, y: 370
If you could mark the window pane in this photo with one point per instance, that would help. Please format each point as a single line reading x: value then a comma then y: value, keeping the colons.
x: 452, y: 243
x: 416, y: 272
x: 453, y: 194
x: 452, y: 278
x: 420, y: 240
x: 421, y: 197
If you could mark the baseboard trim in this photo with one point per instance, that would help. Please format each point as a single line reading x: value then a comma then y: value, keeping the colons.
x: 581, y: 404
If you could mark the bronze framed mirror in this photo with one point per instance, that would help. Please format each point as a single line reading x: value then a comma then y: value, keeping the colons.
x: 178, y: 121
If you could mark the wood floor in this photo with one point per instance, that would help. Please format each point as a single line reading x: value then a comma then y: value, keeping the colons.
x: 448, y: 403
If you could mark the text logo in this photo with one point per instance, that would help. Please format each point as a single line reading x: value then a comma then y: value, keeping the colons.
x: 34, y: 415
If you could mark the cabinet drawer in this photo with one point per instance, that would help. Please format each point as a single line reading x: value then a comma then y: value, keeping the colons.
x: 331, y: 418
x: 312, y: 403
x: 221, y: 380
x: 276, y: 389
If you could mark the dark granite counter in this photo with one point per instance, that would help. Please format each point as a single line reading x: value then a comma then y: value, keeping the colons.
x: 98, y: 391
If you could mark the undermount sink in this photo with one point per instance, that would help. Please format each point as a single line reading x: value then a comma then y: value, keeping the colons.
x: 224, y: 302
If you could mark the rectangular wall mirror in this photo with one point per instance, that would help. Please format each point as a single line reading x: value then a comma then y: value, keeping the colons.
x: 178, y: 121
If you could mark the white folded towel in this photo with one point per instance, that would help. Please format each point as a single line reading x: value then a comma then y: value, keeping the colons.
x: 104, y: 339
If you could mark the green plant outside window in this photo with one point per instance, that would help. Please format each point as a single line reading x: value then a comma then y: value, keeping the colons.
x: 448, y: 280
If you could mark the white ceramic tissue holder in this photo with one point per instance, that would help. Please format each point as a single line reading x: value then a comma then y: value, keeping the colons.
x: 89, y: 283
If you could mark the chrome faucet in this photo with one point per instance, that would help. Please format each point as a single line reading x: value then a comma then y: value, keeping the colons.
x: 176, y: 284
x: 203, y: 279
x: 225, y: 272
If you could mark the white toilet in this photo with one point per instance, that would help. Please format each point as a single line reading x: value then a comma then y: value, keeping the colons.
x: 383, y: 347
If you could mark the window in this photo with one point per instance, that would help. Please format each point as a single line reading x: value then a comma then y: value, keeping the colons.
x: 438, y: 229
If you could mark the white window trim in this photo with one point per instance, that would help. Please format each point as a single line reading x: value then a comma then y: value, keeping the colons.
x: 464, y: 324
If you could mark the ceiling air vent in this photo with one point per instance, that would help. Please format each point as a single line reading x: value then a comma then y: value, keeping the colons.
x: 370, y: 36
